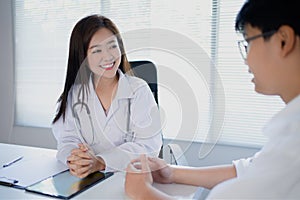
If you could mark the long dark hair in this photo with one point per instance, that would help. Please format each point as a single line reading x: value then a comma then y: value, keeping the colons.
x: 79, y: 43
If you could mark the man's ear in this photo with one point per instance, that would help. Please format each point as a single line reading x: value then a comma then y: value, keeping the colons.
x: 288, y: 39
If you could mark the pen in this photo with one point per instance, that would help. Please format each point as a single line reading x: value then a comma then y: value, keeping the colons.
x: 12, y: 162
x: 7, y: 181
x: 6, y: 184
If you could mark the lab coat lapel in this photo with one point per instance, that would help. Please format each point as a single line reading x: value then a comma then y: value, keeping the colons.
x: 97, y: 108
x: 124, y: 92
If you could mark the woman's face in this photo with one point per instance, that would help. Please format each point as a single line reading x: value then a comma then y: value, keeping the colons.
x: 104, y: 54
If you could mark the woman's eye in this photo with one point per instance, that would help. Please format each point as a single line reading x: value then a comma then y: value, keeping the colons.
x: 97, y: 51
x: 113, y: 46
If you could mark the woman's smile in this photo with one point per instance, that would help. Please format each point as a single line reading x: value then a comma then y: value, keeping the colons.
x: 109, y: 66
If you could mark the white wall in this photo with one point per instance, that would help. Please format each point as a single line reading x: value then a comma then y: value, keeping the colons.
x: 8, y: 132
x: 6, y: 71
x: 43, y: 137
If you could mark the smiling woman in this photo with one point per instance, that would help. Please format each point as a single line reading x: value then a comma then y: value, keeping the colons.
x: 99, y: 91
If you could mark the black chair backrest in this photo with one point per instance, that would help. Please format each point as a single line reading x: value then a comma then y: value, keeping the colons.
x: 146, y: 70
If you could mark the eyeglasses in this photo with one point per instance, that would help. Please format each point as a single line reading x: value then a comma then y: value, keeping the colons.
x: 243, y: 44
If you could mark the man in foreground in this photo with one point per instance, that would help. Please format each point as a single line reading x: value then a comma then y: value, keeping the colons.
x: 271, y: 49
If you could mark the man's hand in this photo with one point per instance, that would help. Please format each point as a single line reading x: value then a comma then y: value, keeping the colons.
x: 138, y: 178
x: 161, y: 171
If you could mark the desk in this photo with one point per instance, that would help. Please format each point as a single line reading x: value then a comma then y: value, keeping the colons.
x: 111, y: 188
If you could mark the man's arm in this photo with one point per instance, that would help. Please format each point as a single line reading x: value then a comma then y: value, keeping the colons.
x: 207, y: 177
x: 139, y: 177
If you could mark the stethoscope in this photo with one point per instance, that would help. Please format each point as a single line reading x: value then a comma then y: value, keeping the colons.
x: 77, y: 120
x: 128, y: 136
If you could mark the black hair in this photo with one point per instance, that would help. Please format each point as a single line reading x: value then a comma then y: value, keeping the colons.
x: 79, y: 42
x: 268, y: 15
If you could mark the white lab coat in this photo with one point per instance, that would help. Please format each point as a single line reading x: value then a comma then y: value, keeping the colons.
x: 273, y: 173
x: 110, y: 141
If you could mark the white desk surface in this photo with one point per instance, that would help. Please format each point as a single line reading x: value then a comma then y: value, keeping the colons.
x: 111, y: 188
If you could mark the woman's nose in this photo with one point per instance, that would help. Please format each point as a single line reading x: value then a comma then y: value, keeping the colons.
x: 108, y: 56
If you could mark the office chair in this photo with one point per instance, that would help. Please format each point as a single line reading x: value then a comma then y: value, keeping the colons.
x: 176, y: 155
x: 146, y: 70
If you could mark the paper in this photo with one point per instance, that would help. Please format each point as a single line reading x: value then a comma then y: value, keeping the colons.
x: 32, y: 169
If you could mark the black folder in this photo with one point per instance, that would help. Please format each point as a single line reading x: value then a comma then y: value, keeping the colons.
x: 65, y: 186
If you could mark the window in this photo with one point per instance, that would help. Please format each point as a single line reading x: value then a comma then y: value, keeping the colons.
x: 246, y: 111
x: 168, y: 32
x: 42, y: 31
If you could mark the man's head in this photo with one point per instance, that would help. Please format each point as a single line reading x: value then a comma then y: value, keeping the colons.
x: 268, y: 15
x: 271, y: 30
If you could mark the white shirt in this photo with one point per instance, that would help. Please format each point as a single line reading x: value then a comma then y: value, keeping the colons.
x: 112, y: 139
x: 274, y: 172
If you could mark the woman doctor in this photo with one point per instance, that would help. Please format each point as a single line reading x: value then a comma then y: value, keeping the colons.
x: 105, y: 116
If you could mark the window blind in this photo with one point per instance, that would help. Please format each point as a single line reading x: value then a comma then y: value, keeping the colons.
x: 43, y: 28
x: 166, y: 31
x: 246, y: 112
x: 42, y: 31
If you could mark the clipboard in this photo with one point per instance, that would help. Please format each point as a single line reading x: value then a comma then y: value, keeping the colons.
x: 29, y: 170
x: 65, y: 186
